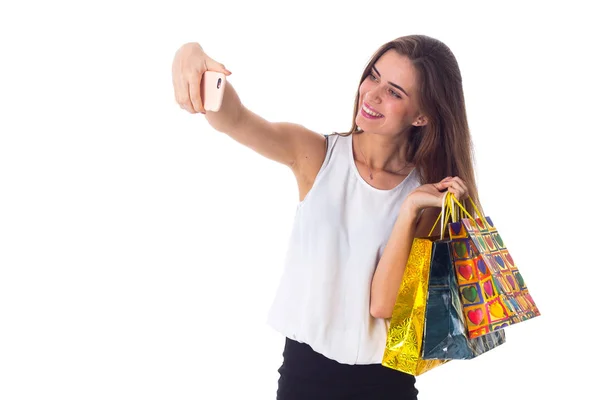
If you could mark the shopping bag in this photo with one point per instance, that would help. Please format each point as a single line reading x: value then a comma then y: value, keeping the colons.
x: 405, y: 333
x: 445, y: 334
x: 492, y: 290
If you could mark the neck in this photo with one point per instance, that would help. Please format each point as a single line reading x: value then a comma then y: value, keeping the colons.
x: 381, y: 153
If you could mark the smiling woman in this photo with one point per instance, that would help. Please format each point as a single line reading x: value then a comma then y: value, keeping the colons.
x: 364, y: 196
x: 411, y: 91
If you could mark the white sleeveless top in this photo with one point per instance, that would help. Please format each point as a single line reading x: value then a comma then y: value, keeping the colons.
x: 339, y: 233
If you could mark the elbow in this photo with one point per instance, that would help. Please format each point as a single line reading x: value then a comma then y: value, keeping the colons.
x: 381, y: 310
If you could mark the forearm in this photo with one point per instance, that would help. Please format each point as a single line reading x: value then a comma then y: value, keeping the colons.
x: 390, y: 269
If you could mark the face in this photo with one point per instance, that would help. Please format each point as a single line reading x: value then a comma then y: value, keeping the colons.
x: 390, y: 91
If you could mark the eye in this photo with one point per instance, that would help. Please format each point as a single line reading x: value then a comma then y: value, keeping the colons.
x: 395, y: 94
x: 374, y: 78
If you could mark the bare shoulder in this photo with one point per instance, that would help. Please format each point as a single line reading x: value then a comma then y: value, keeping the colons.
x: 310, y: 149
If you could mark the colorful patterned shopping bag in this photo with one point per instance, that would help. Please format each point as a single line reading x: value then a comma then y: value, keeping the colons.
x: 445, y: 334
x: 492, y: 290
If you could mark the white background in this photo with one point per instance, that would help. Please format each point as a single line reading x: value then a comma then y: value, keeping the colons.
x: 140, y: 249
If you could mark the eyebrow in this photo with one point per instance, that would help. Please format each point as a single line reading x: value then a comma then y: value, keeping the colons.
x: 393, y: 84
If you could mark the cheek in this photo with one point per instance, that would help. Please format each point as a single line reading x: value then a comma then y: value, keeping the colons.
x: 362, y: 89
x: 367, y: 85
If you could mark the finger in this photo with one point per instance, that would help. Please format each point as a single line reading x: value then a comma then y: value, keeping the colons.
x: 176, y: 82
x: 461, y: 183
x: 195, y: 97
x: 458, y: 194
x: 180, y: 89
x: 454, y: 191
x: 458, y: 190
x: 175, y: 90
x: 443, y: 185
x: 459, y: 180
x: 462, y: 188
x: 443, y: 181
x: 225, y: 70
x: 184, y: 99
x: 459, y: 186
x: 215, y: 66
x: 187, y: 103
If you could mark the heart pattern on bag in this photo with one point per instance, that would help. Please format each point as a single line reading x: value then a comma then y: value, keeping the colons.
x: 511, y: 282
x: 499, y: 240
x: 500, y: 261
x: 461, y: 249
x: 482, y: 246
x: 481, y: 266
x: 470, y: 293
x: 496, y: 310
x: 529, y: 299
x: 465, y: 271
x: 504, y: 325
x: 475, y: 316
x: 488, y: 288
x: 520, y: 280
x: 455, y: 229
x: 498, y: 284
x: 490, y: 242
x: 510, y: 307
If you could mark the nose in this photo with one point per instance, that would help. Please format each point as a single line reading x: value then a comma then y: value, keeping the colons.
x: 373, y: 96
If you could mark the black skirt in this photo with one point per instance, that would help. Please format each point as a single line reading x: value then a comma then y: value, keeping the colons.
x: 308, y: 375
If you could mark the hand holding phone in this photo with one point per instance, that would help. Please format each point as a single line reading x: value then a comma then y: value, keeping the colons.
x: 192, y: 87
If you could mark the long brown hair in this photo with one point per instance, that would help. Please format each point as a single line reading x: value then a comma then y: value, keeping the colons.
x: 443, y: 147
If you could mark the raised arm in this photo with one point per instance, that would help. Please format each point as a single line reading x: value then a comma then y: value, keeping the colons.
x: 287, y: 143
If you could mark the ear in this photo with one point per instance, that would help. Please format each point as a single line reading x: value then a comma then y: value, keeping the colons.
x: 421, y: 120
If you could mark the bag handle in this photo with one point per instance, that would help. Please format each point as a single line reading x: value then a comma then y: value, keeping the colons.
x: 444, y: 215
x: 463, y: 210
x: 448, y: 212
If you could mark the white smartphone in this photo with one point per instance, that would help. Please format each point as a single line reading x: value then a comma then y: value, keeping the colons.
x: 212, y: 88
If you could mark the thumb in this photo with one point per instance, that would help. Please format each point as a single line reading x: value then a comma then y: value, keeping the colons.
x: 224, y: 70
x: 218, y: 67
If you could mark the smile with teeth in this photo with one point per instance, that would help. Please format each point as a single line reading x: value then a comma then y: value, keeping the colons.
x: 372, y: 113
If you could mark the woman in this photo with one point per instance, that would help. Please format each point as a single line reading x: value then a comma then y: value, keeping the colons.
x: 364, y: 195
